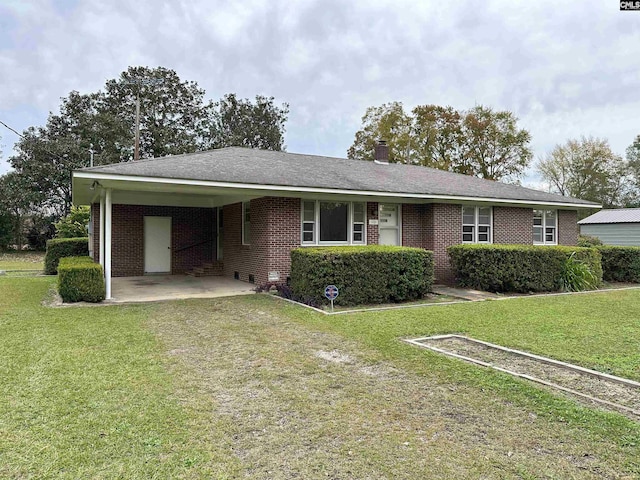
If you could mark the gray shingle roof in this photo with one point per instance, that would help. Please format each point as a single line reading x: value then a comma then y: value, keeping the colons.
x: 263, y: 167
x: 620, y: 215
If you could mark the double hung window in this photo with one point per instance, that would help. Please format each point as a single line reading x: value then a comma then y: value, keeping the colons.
x: 333, y: 223
x: 476, y: 224
x: 545, y: 227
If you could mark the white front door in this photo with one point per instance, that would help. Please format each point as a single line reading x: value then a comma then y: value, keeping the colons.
x: 389, y: 224
x: 157, y: 244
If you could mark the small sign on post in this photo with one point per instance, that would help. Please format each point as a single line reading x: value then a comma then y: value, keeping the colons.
x: 331, y: 292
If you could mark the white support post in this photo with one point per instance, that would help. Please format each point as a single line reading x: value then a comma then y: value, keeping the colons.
x: 101, y: 228
x: 107, y: 244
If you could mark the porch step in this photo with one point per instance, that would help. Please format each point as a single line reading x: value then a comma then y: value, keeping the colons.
x: 206, y: 270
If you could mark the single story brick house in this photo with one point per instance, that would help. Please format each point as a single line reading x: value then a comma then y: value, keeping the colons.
x: 238, y: 212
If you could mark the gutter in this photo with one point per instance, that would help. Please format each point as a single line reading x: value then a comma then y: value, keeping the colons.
x: 291, y: 189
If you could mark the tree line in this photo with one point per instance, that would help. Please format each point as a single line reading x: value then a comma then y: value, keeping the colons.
x: 175, y: 118
x: 490, y: 144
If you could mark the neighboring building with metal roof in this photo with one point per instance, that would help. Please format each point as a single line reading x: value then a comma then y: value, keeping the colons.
x: 614, y: 227
x: 238, y: 212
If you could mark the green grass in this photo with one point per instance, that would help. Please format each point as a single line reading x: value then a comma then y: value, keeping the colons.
x: 235, y: 387
x: 84, y: 393
x: 22, y: 261
x: 599, y: 331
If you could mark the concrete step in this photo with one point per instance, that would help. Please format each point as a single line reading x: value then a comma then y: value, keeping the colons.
x: 207, y: 270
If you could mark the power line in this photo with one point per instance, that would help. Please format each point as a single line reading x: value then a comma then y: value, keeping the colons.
x: 12, y: 129
x: 46, y: 150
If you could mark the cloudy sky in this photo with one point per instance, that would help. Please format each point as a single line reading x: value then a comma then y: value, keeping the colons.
x: 565, y: 68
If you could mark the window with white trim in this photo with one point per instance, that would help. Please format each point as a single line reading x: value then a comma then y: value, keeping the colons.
x: 246, y: 223
x: 333, y: 223
x: 359, y: 215
x: 545, y: 227
x: 476, y: 224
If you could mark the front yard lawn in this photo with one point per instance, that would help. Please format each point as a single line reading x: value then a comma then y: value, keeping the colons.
x: 255, y: 387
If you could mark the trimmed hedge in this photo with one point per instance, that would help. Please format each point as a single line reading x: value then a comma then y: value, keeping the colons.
x: 620, y: 264
x: 80, y: 280
x: 520, y: 268
x: 58, y: 248
x: 363, y: 274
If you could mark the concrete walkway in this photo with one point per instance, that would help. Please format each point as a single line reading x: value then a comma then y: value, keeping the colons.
x: 151, y: 288
x: 464, y: 293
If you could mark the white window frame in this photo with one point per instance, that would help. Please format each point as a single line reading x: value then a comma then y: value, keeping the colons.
x: 476, y: 224
x: 544, y: 227
x: 244, y: 207
x: 316, y: 226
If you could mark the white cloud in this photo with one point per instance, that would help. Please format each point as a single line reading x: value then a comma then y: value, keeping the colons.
x: 564, y: 71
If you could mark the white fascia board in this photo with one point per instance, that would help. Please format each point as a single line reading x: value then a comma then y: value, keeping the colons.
x: 290, y: 189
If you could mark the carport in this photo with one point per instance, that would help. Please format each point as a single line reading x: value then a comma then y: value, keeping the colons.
x: 151, y: 288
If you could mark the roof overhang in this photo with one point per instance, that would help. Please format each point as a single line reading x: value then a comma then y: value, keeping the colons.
x: 87, y: 185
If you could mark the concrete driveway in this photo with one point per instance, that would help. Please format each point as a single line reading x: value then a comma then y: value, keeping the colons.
x: 151, y: 288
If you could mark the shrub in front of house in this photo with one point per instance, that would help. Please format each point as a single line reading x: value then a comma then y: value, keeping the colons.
x: 526, y: 268
x: 620, y: 264
x: 80, y: 280
x: 364, y: 275
x: 58, y: 248
x: 588, y: 241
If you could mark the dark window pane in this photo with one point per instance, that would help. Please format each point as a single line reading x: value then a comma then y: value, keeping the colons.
x: 467, y: 237
x: 333, y: 222
x: 307, y: 236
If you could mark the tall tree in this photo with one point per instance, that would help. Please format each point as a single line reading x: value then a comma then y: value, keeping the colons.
x: 479, y: 141
x: 494, y: 147
x: 241, y: 123
x: 388, y: 122
x: 17, y: 201
x: 174, y: 119
x: 633, y: 152
x: 588, y: 169
x: 438, y: 139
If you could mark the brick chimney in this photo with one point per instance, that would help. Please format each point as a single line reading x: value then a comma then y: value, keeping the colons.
x: 382, y: 153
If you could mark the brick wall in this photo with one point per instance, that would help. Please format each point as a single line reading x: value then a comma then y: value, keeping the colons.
x: 512, y: 225
x: 189, y: 226
x: 414, y: 225
x: 284, y: 234
x: 567, y: 227
x: 446, y: 229
x: 275, y: 230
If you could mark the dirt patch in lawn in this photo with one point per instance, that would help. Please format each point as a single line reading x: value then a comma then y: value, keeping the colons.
x: 621, y: 397
x: 288, y: 402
